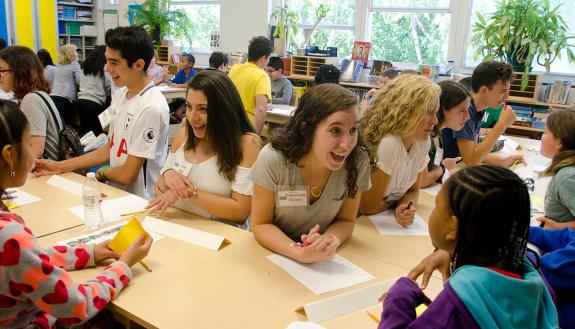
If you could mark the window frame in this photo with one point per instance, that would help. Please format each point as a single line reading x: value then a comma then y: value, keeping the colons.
x: 172, y: 3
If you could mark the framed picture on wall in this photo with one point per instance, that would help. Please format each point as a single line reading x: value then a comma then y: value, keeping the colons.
x: 176, y: 59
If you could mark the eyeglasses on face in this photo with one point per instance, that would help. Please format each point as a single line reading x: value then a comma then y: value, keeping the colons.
x: 270, y: 69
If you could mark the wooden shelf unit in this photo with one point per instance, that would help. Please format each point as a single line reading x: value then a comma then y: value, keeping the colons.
x: 307, y: 66
x: 531, y: 90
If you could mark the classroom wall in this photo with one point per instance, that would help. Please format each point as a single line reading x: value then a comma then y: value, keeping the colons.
x: 48, y: 27
x: 24, y: 26
x: 242, y: 20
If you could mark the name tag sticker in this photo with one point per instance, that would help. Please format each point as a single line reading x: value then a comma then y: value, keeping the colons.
x: 295, y: 198
x: 183, y: 167
x: 105, y: 118
x: 438, y: 156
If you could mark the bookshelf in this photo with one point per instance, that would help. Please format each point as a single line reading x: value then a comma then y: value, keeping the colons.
x: 77, y: 25
x: 304, y: 67
x: 165, y: 57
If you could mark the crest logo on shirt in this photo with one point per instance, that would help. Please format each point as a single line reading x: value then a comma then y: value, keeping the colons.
x: 150, y: 135
x: 128, y: 120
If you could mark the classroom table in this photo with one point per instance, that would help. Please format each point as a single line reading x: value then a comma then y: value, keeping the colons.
x: 280, y: 114
x: 51, y: 214
x: 172, y: 92
x: 235, y: 287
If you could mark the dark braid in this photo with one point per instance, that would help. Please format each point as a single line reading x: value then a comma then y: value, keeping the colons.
x: 492, y: 207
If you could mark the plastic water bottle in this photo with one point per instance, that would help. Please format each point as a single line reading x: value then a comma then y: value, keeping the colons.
x: 91, y: 198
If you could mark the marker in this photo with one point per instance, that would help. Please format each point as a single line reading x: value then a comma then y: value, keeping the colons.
x: 145, y: 265
x: 374, y: 317
x: 135, y: 213
x: 409, y: 205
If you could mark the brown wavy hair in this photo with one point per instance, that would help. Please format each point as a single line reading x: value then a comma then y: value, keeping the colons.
x: 295, y: 139
x: 27, y: 70
x: 561, y: 123
x: 227, y: 119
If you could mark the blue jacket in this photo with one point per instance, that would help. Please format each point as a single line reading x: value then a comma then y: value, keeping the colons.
x: 558, y: 266
x: 474, y: 297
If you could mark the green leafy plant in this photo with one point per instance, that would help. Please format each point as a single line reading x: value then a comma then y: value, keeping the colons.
x: 320, y: 14
x: 161, y: 22
x: 285, y: 19
x: 521, y: 31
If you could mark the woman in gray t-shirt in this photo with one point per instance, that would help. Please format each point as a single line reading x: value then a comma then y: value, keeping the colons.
x: 308, y: 180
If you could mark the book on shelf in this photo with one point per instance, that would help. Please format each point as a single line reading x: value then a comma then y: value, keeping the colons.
x: 377, y: 67
x: 360, y: 51
x: 351, y: 70
x: 557, y: 92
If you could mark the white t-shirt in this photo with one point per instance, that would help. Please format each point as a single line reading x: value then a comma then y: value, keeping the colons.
x: 206, y: 177
x: 401, y: 166
x: 139, y: 128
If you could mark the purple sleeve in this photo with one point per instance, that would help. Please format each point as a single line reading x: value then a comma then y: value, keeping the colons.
x: 446, y: 311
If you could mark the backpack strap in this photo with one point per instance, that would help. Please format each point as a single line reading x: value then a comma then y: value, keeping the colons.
x: 51, y: 112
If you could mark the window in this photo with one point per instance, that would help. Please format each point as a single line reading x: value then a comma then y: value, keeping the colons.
x: 410, y: 31
x: 559, y: 66
x: 205, y: 15
x: 337, y: 29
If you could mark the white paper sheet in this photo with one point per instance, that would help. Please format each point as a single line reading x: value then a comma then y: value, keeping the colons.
x: 433, y: 189
x: 182, y: 233
x: 511, y: 144
x: 386, y: 224
x: 346, y: 303
x: 20, y: 198
x: 101, y: 235
x: 113, y: 209
x: 284, y: 110
x: 323, y: 277
x: 304, y: 325
x: 65, y: 184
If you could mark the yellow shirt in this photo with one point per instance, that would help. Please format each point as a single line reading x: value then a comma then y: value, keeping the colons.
x: 250, y: 81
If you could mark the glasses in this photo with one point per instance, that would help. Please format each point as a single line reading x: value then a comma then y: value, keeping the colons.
x: 2, y: 72
x: 270, y: 70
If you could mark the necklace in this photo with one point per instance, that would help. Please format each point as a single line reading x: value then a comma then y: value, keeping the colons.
x: 315, y: 191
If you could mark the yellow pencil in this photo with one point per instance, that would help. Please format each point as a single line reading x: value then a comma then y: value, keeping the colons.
x: 374, y: 317
x: 146, y: 266
x: 514, y: 164
x: 135, y: 212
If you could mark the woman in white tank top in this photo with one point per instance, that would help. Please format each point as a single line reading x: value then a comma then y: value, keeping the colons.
x: 207, y: 170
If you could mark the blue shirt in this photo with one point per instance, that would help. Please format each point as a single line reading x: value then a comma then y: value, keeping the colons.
x: 181, y: 77
x: 470, y: 131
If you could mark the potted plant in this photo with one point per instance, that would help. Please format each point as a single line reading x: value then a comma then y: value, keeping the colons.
x: 521, y: 31
x: 161, y: 22
x: 285, y: 21
x: 320, y: 14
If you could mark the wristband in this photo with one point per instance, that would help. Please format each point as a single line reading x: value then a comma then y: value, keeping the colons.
x: 101, y: 176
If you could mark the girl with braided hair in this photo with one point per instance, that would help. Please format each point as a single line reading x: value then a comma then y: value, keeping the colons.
x: 481, y: 220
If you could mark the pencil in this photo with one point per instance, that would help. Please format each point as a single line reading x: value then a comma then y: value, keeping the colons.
x: 514, y: 164
x: 146, y: 266
x: 135, y: 212
x: 374, y: 317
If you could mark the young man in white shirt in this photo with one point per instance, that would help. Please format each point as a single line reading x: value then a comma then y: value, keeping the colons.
x: 138, y: 134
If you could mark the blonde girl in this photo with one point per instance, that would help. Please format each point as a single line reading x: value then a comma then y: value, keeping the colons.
x: 397, y: 126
